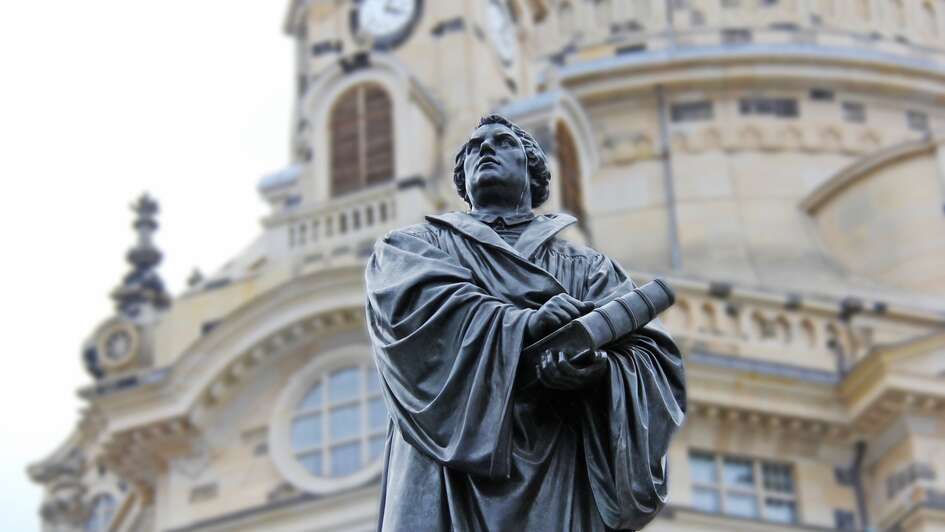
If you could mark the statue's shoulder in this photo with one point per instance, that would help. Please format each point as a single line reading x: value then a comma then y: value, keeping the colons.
x: 569, y: 248
x: 423, y: 230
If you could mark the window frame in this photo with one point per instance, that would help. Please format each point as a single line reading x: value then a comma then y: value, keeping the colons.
x: 355, y: 129
x: 362, y: 400
x: 287, y: 409
x: 758, y: 490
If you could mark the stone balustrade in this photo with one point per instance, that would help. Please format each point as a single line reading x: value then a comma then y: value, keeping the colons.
x: 336, y: 226
x: 760, y: 328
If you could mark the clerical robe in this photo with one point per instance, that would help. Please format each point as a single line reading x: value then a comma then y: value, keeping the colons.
x: 468, y: 450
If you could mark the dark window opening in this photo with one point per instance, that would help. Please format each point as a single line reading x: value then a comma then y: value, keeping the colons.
x: 691, y: 111
x: 736, y: 36
x: 825, y: 95
x: 844, y: 520
x: 917, y: 121
x: 780, y: 107
x: 854, y: 112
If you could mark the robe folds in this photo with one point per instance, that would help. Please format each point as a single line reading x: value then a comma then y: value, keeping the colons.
x: 447, y: 305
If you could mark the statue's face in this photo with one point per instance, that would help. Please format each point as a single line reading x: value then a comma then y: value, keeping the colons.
x: 496, y: 168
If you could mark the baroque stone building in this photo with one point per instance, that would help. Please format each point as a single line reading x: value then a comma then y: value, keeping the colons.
x: 777, y: 160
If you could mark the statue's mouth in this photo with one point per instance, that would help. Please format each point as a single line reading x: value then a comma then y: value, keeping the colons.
x: 486, y: 160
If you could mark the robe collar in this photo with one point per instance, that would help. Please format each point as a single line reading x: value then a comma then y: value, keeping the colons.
x: 539, y: 231
x: 512, y: 219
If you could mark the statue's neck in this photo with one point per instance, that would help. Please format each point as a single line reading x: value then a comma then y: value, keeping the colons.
x: 502, y: 210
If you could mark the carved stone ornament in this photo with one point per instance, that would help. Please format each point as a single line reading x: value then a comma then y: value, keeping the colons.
x: 64, y: 506
x: 194, y: 464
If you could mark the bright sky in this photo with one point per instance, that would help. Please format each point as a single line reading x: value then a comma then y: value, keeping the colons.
x: 101, y: 100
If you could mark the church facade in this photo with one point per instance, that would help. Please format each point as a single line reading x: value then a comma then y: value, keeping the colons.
x: 780, y: 162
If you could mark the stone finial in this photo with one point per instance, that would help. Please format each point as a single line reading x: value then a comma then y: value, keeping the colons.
x: 142, y: 285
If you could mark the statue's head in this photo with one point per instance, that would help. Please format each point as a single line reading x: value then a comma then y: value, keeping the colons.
x: 501, y: 165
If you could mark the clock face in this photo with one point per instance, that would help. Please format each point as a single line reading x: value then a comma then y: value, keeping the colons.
x: 387, y: 21
x: 117, y: 345
x: 502, y: 30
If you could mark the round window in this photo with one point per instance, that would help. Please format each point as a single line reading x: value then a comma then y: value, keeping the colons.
x: 329, y: 426
x: 341, y: 424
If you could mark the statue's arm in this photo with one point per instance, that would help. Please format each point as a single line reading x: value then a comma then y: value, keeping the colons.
x: 446, y: 351
x: 628, y: 419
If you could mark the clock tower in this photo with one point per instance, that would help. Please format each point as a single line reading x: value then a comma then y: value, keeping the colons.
x: 388, y: 88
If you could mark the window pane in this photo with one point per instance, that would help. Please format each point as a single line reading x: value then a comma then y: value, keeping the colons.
x: 377, y: 414
x: 738, y: 472
x: 306, y: 432
x: 706, y: 500
x: 376, y: 446
x: 312, y: 462
x: 101, y: 515
x: 345, y: 422
x: 780, y: 510
x: 844, y: 520
x: 313, y: 399
x: 741, y: 505
x: 703, y: 468
x: 344, y: 385
x: 345, y: 459
x: 777, y: 477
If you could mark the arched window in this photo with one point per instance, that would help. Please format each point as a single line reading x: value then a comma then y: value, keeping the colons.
x: 569, y: 168
x: 340, y: 425
x: 362, y: 139
x: 103, y: 511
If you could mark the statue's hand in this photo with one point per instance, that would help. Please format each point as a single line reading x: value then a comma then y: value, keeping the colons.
x: 556, y: 312
x: 555, y: 371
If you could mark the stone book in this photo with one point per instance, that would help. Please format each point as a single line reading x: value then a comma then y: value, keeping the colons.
x: 598, y: 328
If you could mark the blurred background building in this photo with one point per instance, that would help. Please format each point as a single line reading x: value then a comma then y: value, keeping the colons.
x: 777, y: 160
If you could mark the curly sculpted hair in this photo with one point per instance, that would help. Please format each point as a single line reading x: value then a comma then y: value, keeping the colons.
x: 539, y: 175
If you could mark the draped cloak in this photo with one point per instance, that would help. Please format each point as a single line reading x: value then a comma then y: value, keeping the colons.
x: 447, y: 304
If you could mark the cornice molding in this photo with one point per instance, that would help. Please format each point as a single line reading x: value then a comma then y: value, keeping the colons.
x: 686, y: 66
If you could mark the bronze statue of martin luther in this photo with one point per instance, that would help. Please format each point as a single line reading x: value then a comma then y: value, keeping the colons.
x: 451, y: 303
